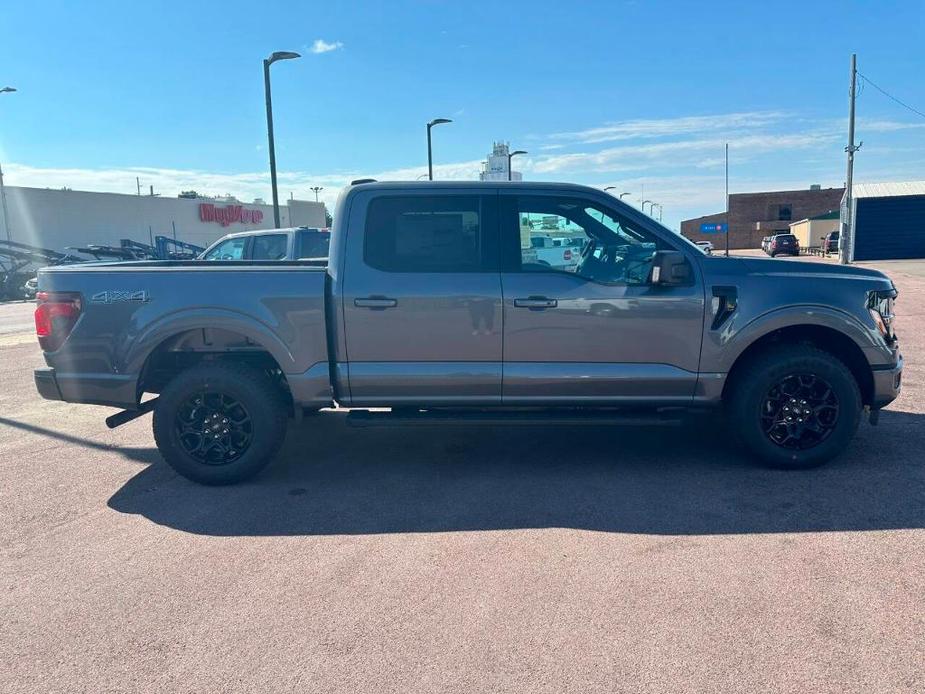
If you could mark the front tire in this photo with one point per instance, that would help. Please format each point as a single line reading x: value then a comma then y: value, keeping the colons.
x: 219, y: 423
x: 795, y: 407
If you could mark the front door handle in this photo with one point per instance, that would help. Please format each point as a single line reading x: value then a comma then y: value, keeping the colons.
x: 536, y: 303
x: 376, y: 303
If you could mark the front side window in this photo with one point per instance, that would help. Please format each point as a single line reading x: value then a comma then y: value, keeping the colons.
x: 229, y: 249
x: 425, y: 234
x: 269, y: 247
x: 575, y: 236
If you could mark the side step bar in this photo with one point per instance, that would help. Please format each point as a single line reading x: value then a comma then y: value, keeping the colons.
x: 377, y: 418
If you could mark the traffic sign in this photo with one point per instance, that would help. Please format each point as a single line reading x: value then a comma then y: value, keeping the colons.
x: 714, y: 228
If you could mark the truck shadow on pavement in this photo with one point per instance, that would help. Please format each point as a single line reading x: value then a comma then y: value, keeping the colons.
x: 677, y: 481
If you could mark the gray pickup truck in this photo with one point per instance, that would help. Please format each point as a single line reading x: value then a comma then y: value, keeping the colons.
x: 431, y: 305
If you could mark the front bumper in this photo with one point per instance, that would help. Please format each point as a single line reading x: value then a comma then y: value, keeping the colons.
x: 46, y: 383
x: 887, y: 384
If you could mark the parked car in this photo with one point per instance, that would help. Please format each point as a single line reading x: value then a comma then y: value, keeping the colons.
x: 422, y: 310
x: 30, y: 287
x: 557, y: 253
x: 830, y: 242
x: 271, y: 244
x: 705, y: 246
x: 783, y: 244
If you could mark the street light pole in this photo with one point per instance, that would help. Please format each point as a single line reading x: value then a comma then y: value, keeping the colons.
x: 430, y: 151
x: 510, y: 156
x: 643, y: 206
x: 267, y: 62
x: 6, y: 216
x: 622, y: 194
x: 316, y: 190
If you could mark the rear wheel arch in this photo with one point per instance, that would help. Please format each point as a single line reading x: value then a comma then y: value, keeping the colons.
x: 137, y: 348
x: 192, y: 347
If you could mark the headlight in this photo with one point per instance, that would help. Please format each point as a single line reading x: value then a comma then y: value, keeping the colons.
x: 880, y: 305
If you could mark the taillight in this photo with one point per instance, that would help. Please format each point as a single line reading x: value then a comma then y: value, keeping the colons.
x: 567, y: 255
x: 55, y: 316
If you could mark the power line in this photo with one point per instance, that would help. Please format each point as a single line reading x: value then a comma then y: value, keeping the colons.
x: 890, y: 96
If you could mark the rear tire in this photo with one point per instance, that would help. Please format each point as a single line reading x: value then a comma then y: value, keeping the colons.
x: 795, y: 407
x: 219, y: 423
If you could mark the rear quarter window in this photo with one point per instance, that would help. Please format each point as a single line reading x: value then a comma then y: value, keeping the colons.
x: 313, y: 244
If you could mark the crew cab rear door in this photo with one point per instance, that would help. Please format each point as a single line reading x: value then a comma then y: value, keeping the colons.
x: 421, y: 298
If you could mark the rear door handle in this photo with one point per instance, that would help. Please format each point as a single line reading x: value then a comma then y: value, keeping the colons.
x: 536, y: 302
x: 377, y: 303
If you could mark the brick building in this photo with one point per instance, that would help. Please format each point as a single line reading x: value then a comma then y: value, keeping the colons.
x: 752, y: 216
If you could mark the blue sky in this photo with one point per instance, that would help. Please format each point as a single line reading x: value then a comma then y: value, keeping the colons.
x: 633, y: 94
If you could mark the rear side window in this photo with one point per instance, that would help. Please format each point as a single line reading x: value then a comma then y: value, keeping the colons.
x: 313, y: 244
x: 269, y: 247
x: 427, y: 234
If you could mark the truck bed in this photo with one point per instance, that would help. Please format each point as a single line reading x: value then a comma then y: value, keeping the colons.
x: 131, y: 309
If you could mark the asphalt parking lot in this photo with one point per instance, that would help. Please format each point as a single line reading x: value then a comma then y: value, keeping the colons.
x: 460, y: 558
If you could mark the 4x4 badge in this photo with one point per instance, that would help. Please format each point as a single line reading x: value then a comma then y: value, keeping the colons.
x: 118, y: 296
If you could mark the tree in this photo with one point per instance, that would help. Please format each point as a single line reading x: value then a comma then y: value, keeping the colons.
x: 328, y: 219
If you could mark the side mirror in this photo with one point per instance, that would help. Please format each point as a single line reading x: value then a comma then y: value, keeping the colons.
x: 670, y: 269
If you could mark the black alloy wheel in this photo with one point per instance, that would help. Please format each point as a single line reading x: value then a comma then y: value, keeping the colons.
x: 800, y: 411
x: 220, y: 422
x: 214, y: 428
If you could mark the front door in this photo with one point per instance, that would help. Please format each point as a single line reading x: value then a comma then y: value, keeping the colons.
x: 422, y: 299
x: 589, y: 326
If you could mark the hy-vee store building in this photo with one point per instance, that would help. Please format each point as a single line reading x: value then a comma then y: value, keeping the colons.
x: 58, y: 219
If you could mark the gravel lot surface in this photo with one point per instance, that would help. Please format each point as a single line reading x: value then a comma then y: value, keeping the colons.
x: 460, y: 558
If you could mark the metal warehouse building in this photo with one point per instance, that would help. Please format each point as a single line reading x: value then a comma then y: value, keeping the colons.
x: 888, y: 220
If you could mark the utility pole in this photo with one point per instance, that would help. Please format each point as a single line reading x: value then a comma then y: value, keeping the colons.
x: 727, y: 199
x: 6, y: 216
x: 845, y: 239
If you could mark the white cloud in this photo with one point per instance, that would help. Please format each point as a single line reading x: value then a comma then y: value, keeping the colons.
x: 667, y: 127
x: 322, y: 46
x: 245, y: 185
x: 679, y: 161
x: 681, y: 153
x: 884, y: 126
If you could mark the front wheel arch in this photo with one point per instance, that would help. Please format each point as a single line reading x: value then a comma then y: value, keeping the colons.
x: 823, y: 338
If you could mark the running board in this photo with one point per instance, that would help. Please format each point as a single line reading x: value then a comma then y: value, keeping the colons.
x: 378, y: 418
